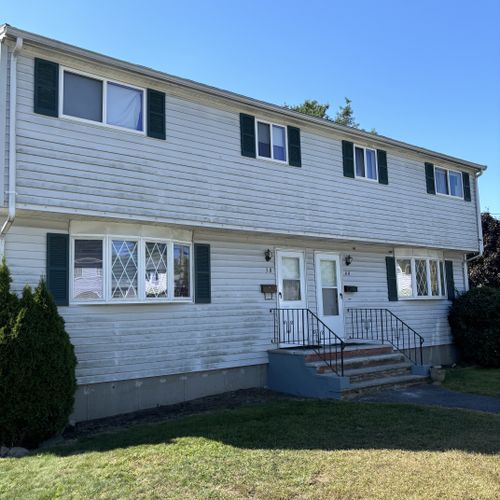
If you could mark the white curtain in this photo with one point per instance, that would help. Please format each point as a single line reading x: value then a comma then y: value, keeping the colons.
x: 124, y: 106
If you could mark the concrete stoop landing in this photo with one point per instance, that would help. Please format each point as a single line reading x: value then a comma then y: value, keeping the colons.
x: 367, y: 368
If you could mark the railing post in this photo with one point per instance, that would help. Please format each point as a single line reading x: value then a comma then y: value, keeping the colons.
x: 382, y: 323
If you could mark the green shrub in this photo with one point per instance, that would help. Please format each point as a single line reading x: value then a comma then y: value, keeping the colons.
x: 8, y: 300
x: 475, y: 325
x: 37, y: 372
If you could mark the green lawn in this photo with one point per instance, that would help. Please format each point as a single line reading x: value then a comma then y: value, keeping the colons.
x: 282, y: 449
x: 484, y: 381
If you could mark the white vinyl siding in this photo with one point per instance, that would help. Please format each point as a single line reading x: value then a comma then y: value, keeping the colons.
x: 199, y: 178
x: 145, y: 340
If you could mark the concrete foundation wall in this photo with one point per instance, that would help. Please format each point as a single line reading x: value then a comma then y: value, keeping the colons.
x: 114, y: 398
x: 446, y: 354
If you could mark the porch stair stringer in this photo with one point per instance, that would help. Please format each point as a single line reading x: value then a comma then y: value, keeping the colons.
x: 289, y: 373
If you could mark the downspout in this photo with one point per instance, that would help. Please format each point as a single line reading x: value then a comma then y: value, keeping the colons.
x: 479, y: 232
x: 11, y: 203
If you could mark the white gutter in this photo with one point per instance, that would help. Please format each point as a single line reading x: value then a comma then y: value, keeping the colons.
x: 11, y: 210
x: 479, y: 234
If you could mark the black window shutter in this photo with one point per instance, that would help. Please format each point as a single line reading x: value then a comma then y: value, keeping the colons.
x: 247, y: 134
x: 348, y: 158
x: 58, y: 267
x: 429, y: 178
x: 383, y: 177
x: 202, y: 282
x: 466, y: 183
x: 392, y: 285
x: 294, y: 154
x: 450, y: 281
x: 46, y: 90
x: 156, y: 114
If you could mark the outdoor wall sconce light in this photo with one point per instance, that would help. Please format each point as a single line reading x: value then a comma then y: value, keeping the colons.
x: 268, y: 255
x: 348, y: 260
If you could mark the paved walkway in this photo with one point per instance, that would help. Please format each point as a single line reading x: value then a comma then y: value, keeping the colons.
x: 434, y: 395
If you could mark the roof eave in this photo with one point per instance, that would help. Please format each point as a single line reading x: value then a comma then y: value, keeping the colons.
x: 32, y: 38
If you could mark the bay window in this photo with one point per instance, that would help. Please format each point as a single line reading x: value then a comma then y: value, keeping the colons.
x: 111, y: 269
x: 419, y: 275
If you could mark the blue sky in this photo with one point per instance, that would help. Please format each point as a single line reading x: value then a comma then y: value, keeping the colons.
x: 425, y: 72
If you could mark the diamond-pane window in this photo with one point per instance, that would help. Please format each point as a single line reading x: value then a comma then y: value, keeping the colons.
x: 421, y: 277
x: 156, y: 270
x: 433, y: 266
x: 124, y: 269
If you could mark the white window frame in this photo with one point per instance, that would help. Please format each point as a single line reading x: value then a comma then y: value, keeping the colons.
x: 448, y: 170
x: 141, y: 255
x: 271, y: 124
x: 365, y: 177
x: 427, y: 259
x: 104, y: 109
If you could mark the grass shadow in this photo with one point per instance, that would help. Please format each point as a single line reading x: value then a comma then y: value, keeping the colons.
x: 315, y: 425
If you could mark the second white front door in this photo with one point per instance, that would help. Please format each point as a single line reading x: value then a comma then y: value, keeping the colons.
x: 329, y: 292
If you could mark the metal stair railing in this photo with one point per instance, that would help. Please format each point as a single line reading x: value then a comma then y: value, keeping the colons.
x: 383, y: 326
x: 302, y: 328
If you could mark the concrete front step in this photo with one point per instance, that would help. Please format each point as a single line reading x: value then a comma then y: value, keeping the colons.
x: 377, y: 384
x: 377, y: 372
x: 367, y: 368
x: 362, y: 362
x: 350, y: 351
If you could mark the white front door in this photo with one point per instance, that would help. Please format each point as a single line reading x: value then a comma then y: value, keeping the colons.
x: 329, y: 291
x: 291, y: 316
x: 291, y: 280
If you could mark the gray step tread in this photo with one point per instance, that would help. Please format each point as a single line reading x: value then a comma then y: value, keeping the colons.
x: 374, y: 369
x: 400, y: 379
x: 348, y: 348
x: 351, y: 361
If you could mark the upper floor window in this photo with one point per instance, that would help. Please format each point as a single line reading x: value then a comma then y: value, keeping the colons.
x: 99, y: 100
x: 448, y: 182
x: 271, y: 141
x: 365, y: 160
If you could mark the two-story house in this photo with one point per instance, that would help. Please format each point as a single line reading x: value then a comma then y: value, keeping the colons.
x: 170, y: 217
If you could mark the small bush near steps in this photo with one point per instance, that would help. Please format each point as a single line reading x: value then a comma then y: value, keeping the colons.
x: 37, y: 366
x: 475, y: 324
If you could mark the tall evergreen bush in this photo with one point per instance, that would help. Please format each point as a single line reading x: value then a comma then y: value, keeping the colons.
x: 37, y: 370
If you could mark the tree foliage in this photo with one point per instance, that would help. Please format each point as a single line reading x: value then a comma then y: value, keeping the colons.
x: 485, y: 271
x: 37, y: 370
x: 312, y: 108
x: 475, y: 327
x: 344, y: 115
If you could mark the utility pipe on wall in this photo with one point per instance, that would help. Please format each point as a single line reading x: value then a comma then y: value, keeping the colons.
x: 11, y: 203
